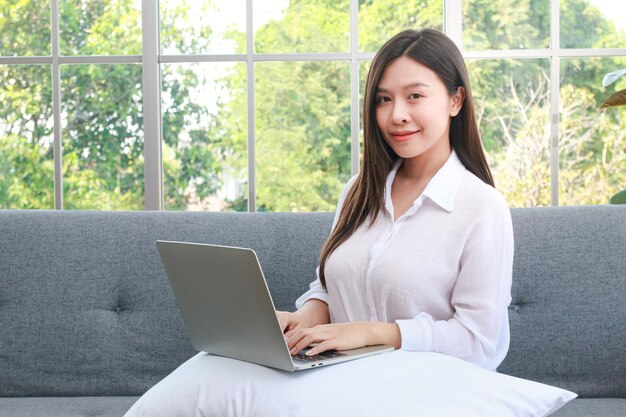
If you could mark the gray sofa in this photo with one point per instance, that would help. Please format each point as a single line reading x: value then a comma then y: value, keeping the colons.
x: 88, y: 321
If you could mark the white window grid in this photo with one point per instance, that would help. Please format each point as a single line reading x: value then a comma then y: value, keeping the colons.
x: 151, y: 59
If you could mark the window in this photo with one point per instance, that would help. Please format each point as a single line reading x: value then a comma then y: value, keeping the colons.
x: 212, y: 108
x: 71, y: 129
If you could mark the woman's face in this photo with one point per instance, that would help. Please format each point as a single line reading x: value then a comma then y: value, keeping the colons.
x: 413, y: 109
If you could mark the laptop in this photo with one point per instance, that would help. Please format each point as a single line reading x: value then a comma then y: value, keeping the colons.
x: 228, y: 311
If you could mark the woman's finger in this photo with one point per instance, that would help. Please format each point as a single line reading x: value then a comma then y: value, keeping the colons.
x: 322, y: 347
x: 302, y: 339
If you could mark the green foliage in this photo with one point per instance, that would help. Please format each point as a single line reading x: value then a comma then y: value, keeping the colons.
x: 26, y: 158
x: 618, y: 98
x: 303, y: 134
x: 26, y: 174
x: 504, y: 92
x: 25, y: 28
x: 584, y: 26
x: 178, y: 34
x: 186, y: 157
x: 85, y: 190
x: 619, y: 198
x: 506, y: 24
x: 592, y: 164
x: 103, y: 122
x: 313, y: 26
x: 100, y: 27
x: 380, y: 20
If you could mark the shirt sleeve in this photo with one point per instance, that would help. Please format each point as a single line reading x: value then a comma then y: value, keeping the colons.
x: 479, y: 329
x: 315, y: 288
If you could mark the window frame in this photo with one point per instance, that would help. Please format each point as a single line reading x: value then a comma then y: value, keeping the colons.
x: 151, y: 60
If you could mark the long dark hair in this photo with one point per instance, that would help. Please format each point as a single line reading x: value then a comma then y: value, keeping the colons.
x: 366, y: 197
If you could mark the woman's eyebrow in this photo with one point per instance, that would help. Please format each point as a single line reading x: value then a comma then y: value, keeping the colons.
x: 411, y: 85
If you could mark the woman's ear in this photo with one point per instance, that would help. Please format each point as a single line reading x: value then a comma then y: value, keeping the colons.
x: 456, y: 102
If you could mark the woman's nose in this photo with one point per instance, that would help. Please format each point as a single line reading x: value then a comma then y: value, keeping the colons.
x: 399, y: 113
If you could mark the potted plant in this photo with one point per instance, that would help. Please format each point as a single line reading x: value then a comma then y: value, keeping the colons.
x: 617, y: 99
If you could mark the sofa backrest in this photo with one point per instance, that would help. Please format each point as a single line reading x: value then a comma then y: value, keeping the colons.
x: 86, y: 308
x: 568, y: 309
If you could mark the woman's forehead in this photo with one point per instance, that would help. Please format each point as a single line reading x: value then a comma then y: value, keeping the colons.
x: 405, y: 72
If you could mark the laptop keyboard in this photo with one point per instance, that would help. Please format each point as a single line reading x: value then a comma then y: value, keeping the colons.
x: 329, y: 354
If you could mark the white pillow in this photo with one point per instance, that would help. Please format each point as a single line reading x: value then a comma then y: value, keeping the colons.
x: 394, y: 384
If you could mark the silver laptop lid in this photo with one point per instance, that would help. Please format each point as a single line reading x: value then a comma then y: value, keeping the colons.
x: 225, y: 303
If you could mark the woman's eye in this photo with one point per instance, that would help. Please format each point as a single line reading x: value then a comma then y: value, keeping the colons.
x: 382, y: 99
x: 414, y: 96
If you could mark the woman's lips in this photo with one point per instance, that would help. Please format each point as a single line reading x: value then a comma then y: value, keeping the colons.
x: 403, y: 136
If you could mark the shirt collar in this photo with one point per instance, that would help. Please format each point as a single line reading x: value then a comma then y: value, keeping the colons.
x: 442, y: 187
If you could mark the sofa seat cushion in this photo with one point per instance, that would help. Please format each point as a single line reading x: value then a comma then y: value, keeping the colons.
x: 65, y: 406
x: 585, y: 407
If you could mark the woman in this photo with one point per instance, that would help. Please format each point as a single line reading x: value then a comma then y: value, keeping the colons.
x: 420, y: 255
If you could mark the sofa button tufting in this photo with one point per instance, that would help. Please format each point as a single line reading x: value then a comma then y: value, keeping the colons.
x: 514, y: 307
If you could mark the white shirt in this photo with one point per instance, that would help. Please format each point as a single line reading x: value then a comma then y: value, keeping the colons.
x: 442, y: 271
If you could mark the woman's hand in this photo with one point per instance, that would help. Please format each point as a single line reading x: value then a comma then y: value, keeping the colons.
x: 342, y: 336
x: 290, y: 322
x: 312, y: 313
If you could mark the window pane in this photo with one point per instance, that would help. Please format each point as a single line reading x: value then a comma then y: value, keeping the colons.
x: 512, y: 100
x: 302, y: 134
x: 593, y: 23
x: 26, y: 141
x: 299, y: 26
x: 100, y: 27
x: 591, y: 143
x: 102, y: 137
x: 25, y: 28
x: 203, y: 27
x: 379, y: 20
x: 506, y: 24
x: 205, y: 136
